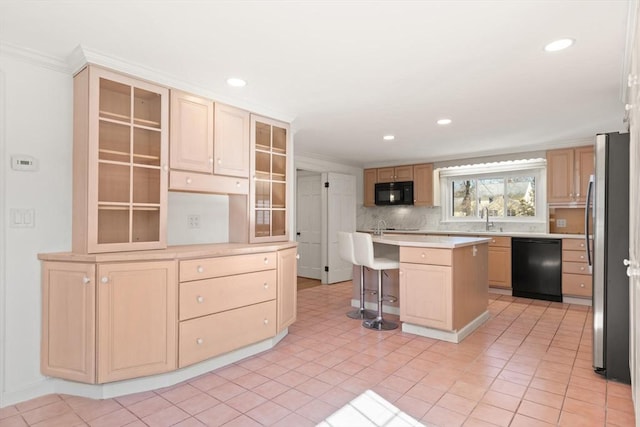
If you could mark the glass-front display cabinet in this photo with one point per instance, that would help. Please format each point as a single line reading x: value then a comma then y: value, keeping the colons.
x: 268, y: 194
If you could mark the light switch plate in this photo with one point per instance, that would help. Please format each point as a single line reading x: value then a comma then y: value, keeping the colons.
x: 22, y: 218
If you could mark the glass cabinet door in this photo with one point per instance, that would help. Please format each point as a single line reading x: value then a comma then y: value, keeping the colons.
x: 269, y: 195
x: 131, y: 151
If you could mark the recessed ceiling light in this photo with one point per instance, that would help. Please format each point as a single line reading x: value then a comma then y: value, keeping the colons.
x: 443, y: 122
x: 388, y: 137
x: 557, y: 45
x: 236, y: 82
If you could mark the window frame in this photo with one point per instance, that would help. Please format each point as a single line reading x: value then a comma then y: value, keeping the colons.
x: 498, y: 170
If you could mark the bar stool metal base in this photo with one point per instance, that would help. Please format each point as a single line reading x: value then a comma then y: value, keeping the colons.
x: 379, y: 324
x: 361, y: 313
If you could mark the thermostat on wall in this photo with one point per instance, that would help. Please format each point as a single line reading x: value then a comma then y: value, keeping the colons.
x: 21, y: 162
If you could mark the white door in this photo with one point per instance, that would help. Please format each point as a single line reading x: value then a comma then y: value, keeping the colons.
x: 341, y: 216
x: 309, y: 224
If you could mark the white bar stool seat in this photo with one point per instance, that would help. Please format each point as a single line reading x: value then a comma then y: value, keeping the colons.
x: 346, y: 252
x: 363, y: 249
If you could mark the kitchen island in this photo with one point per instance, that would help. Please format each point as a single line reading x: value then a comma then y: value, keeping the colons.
x: 443, y: 283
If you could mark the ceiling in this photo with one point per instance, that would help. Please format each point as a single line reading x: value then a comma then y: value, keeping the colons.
x: 348, y: 72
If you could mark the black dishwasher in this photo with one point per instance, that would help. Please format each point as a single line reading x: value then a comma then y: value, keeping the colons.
x: 536, y: 266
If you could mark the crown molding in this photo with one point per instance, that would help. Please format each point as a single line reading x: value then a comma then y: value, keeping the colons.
x: 34, y: 57
x: 82, y: 55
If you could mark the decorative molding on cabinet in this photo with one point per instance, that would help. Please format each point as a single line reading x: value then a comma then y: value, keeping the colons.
x: 83, y: 55
x: 34, y: 57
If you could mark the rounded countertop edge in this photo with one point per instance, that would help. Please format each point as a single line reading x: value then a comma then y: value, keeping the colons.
x: 479, y: 233
x: 177, y: 252
x: 437, y: 242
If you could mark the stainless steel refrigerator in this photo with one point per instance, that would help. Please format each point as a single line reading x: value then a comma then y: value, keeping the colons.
x: 608, y: 197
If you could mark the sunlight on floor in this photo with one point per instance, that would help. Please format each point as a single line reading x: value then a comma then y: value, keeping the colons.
x: 369, y: 410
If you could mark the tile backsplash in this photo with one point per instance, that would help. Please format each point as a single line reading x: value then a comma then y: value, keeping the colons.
x: 430, y: 219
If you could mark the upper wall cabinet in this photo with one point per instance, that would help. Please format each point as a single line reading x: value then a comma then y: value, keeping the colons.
x: 120, y: 163
x: 209, y: 145
x: 268, y: 194
x: 370, y: 180
x: 396, y: 174
x: 568, y: 172
x: 423, y: 184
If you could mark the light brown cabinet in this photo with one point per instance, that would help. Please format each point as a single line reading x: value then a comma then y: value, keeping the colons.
x: 434, y: 294
x: 577, y: 280
x: 120, y: 148
x: 68, y: 345
x: 209, y: 146
x: 423, y: 184
x: 287, y: 287
x: 500, y: 262
x: 370, y: 178
x: 108, y: 322
x: 568, y: 172
x: 269, y: 193
x: 395, y: 174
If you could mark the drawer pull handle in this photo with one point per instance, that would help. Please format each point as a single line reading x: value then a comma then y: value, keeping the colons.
x: 423, y: 255
x: 188, y: 180
x: 266, y: 260
x: 199, y: 341
x: 493, y: 240
x: 200, y: 269
x: 266, y: 321
x: 238, y: 184
x: 86, y: 280
x: 581, y: 268
x: 581, y: 256
x: 582, y: 285
x: 582, y: 245
x: 266, y: 285
x: 200, y: 299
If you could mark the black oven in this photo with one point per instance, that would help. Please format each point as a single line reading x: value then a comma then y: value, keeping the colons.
x: 394, y: 193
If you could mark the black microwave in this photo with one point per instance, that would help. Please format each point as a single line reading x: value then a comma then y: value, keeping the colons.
x: 394, y: 193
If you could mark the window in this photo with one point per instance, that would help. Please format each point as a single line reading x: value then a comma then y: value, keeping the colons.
x: 506, y: 195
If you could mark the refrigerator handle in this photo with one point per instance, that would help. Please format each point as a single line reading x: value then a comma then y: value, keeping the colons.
x: 586, y: 223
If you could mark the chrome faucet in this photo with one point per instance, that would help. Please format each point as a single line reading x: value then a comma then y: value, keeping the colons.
x: 488, y: 225
x: 382, y: 225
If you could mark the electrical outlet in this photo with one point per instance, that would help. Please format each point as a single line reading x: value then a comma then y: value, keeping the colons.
x: 561, y: 223
x: 193, y: 221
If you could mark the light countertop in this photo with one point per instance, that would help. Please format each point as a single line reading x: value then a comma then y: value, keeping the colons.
x: 476, y: 233
x: 421, y: 241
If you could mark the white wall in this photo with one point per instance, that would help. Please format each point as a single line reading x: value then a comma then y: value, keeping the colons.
x: 37, y: 122
x: 317, y: 165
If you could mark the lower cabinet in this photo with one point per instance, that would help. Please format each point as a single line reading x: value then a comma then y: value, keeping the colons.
x: 119, y: 323
x: 430, y: 303
x: 500, y: 262
x: 576, y: 277
x: 287, y: 287
x: 111, y: 321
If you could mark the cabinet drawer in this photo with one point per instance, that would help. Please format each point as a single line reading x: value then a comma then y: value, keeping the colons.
x: 574, y: 244
x: 205, y: 268
x: 204, y: 183
x: 425, y: 256
x: 220, y: 333
x: 576, y: 284
x: 575, y: 268
x: 500, y: 242
x: 202, y: 297
x: 574, y: 256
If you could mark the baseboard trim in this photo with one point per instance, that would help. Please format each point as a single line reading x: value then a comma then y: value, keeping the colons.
x: 576, y: 300
x: 449, y: 336
x: 374, y: 307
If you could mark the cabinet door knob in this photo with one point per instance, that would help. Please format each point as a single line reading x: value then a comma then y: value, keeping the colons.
x: 86, y: 280
x: 199, y: 341
x: 266, y: 260
x: 493, y: 240
x: 266, y: 321
x: 266, y: 285
x: 211, y: 160
x: 238, y: 184
x: 200, y: 299
x: 219, y: 161
x: 297, y: 256
x: 165, y: 167
x: 577, y: 194
x: 104, y: 279
x: 188, y: 180
x: 200, y: 269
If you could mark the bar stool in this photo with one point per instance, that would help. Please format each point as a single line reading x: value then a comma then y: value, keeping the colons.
x: 346, y: 252
x: 363, y: 248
